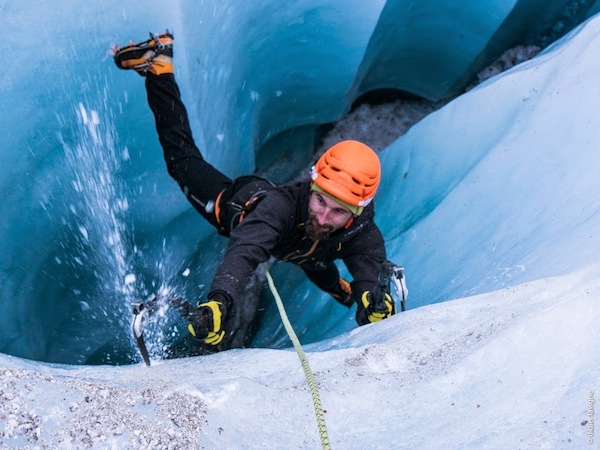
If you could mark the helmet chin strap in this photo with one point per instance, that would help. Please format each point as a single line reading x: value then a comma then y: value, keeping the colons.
x: 350, y: 220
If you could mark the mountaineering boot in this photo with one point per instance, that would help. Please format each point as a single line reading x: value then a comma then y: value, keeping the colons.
x: 154, y: 55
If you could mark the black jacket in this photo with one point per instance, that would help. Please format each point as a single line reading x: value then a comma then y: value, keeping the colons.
x: 276, y: 227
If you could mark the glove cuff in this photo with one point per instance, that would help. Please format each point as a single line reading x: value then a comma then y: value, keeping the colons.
x: 222, y: 297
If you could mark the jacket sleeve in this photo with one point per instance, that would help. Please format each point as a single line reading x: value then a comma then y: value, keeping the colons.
x: 325, y: 279
x: 252, y: 242
x: 363, y: 257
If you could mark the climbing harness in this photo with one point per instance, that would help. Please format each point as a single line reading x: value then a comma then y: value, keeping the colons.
x: 307, y: 372
x: 229, y: 209
x: 240, y: 211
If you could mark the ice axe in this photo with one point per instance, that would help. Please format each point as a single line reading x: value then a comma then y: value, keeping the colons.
x: 390, y: 273
x: 141, y: 311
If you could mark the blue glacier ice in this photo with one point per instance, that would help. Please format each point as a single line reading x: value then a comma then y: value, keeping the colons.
x: 490, y: 203
x: 91, y: 220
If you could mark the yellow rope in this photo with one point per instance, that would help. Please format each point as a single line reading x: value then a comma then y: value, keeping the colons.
x: 307, y: 372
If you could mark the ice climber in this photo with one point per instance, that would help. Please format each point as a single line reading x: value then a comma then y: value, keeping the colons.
x: 310, y: 223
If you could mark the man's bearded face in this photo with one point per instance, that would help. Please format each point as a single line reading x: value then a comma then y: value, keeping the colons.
x: 325, y: 216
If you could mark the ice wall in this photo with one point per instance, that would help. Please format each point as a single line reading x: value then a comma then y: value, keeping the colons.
x: 91, y: 221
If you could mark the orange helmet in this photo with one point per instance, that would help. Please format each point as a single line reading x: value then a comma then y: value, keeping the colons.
x: 349, y: 171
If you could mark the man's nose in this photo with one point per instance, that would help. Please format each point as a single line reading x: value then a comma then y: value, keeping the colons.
x: 323, y: 216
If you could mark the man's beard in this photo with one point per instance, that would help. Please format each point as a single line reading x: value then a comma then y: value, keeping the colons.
x: 315, y: 231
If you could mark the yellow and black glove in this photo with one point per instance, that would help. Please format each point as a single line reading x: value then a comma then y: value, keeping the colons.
x: 206, y: 323
x: 370, y: 312
x: 342, y: 292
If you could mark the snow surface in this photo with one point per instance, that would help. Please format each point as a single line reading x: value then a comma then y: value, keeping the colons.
x: 515, y: 366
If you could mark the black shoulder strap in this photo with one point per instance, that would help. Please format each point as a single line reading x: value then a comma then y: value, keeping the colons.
x: 249, y: 191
